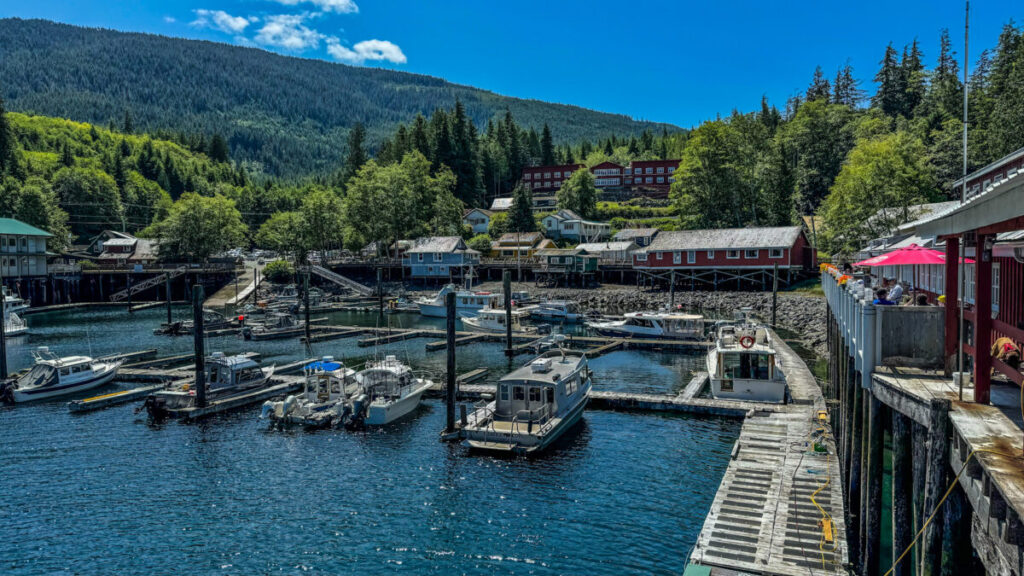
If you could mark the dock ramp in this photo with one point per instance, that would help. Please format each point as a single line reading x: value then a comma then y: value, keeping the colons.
x: 342, y: 281
x: 154, y: 281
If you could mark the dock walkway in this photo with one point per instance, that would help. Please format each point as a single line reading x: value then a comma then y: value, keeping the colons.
x: 763, y: 519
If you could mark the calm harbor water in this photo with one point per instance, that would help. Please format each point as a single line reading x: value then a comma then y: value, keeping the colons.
x: 107, y: 493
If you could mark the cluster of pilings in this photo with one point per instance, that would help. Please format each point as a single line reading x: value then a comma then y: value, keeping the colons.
x: 920, y: 474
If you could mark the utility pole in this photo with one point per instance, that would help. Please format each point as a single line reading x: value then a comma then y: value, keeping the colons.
x: 305, y: 302
x: 380, y: 295
x: 775, y: 293
x: 963, y: 238
x: 198, y: 333
x: 449, y: 396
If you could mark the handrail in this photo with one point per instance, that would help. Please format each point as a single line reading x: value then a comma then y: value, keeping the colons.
x: 154, y: 281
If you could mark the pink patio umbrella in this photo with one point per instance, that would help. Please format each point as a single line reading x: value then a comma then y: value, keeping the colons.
x: 912, y: 255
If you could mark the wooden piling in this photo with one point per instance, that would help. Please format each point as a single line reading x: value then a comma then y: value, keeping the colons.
x: 449, y: 302
x: 902, y: 491
x: 167, y: 289
x: 775, y: 293
x: 198, y: 335
x: 853, y: 488
x: 3, y: 335
x: 920, y: 473
x: 873, y: 505
x: 935, y: 484
x: 506, y: 282
x: 305, y: 302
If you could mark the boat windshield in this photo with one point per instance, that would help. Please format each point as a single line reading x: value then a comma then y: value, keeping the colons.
x: 40, y: 375
x: 746, y: 365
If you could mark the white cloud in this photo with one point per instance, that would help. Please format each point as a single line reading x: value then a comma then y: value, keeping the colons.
x: 170, y: 19
x: 367, y: 50
x: 221, y: 20
x: 288, y: 31
x: 336, y: 6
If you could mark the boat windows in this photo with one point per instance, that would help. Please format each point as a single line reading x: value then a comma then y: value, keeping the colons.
x: 518, y: 393
x: 550, y: 395
x: 534, y: 394
x: 745, y: 366
x: 65, y: 371
x: 504, y: 392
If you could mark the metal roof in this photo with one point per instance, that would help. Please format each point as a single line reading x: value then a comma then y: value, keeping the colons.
x: 1003, y: 200
x: 562, y: 252
x: 994, y: 165
x: 18, y: 228
x: 597, y: 247
x: 630, y: 233
x: 501, y: 204
x: 725, y: 239
x: 120, y: 242
x: 435, y: 244
x: 522, y: 238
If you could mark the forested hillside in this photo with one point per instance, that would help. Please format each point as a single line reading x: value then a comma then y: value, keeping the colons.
x: 844, y: 154
x: 280, y: 115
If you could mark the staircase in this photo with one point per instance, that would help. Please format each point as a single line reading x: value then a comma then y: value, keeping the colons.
x: 154, y: 281
x: 340, y: 280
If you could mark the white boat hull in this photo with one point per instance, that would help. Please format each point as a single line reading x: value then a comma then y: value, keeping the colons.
x: 379, y: 413
x: 65, y: 390
x: 749, y: 390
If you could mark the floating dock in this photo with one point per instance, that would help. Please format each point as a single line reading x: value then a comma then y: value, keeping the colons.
x: 779, y: 509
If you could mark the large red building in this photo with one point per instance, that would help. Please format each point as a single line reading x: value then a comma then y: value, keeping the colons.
x: 548, y: 178
x: 727, y: 254
x: 651, y: 177
x: 979, y: 180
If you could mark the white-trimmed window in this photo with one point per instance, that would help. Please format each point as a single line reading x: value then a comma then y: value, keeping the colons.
x: 649, y: 178
x: 732, y: 254
x: 547, y: 174
x: 661, y: 169
x: 661, y: 179
x: 671, y: 169
x: 659, y: 255
x: 528, y: 176
x: 438, y: 257
x: 641, y: 256
x: 775, y: 253
x: 568, y: 173
x: 677, y: 257
x: 650, y: 170
x: 558, y: 174
x: 419, y: 257
x: 691, y: 257
x: 969, y: 283
x: 711, y: 254
x: 750, y: 253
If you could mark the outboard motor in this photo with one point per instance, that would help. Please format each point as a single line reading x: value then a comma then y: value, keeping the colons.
x: 7, y: 392
x: 156, y: 407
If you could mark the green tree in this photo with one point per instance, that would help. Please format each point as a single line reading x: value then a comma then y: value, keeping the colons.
x: 481, y: 243
x: 35, y: 203
x: 891, y: 94
x: 1005, y: 130
x: 520, y: 215
x: 914, y: 79
x: 886, y: 172
x: 356, y: 155
x: 579, y: 194
x: 323, y: 226
x: 707, y: 178
x: 499, y: 225
x: 8, y: 144
x: 127, y: 124
x: 820, y: 87
x: 198, y: 227
x: 820, y: 136
x: 284, y: 233
x: 547, y: 147
x: 846, y: 89
x: 218, y: 150
x: 92, y: 198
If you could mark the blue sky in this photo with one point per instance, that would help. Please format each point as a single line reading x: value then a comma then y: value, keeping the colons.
x: 669, y: 61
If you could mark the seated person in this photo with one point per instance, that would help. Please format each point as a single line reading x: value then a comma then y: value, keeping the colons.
x: 921, y: 300
x: 880, y: 299
x: 896, y: 292
x: 1006, y: 351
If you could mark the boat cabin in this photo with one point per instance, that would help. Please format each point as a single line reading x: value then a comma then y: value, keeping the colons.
x: 743, y: 355
x: 540, y: 389
x: 386, y: 378
x: 668, y: 323
x: 228, y: 371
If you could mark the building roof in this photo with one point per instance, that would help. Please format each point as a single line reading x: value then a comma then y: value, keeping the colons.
x: 436, y: 244
x: 469, y: 211
x: 1003, y: 200
x: 597, y: 247
x: 120, y: 242
x: 553, y: 167
x: 993, y: 166
x: 501, y: 204
x: 562, y: 252
x: 914, y: 213
x: 606, y: 164
x: 564, y: 214
x: 146, y: 249
x: 655, y: 162
x: 726, y: 239
x: 19, y: 228
x: 631, y: 233
x: 525, y: 238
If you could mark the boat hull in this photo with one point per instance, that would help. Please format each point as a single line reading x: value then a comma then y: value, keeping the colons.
x: 527, y: 443
x: 773, y: 391
x: 380, y: 414
x: 64, y: 390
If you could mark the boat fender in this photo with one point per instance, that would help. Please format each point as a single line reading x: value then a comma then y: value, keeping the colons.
x: 289, y: 403
x: 268, y: 407
x: 747, y: 341
x: 7, y: 393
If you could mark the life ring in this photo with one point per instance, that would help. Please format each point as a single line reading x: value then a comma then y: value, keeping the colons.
x: 747, y: 341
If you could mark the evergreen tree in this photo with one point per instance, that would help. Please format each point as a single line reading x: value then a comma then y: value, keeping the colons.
x: 66, y: 157
x: 534, y: 148
x: 520, y: 215
x: 420, y: 136
x: 464, y: 157
x: 1006, y: 95
x: 219, y: 149
x: 547, y: 147
x: 819, y: 88
x: 127, y: 125
x: 891, y: 93
x: 7, y: 143
x: 355, y: 155
x: 946, y: 87
x: 646, y: 142
x: 579, y: 194
x: 914, y: 79
x: 441, y: 144
x: 634, y: 148
x: 608, y: 148
x: 846, y: 89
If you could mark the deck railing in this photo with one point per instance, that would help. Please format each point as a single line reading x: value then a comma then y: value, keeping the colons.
x: 883, y: 335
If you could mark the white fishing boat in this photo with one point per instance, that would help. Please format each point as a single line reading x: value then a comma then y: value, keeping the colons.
x: 558, y: 311
x: 493, y: 320
x: 226, y: 377
x: 14, y: 325
x: 53, y: 376
x: 390, y: 391
x: 325, y: 400
x: 652, y: 325
x: 212, y: 320
x: 12, y: 302
x: 743, y: 365
x: 465, y: 302
x: 276, y: 325
x: 535, y: 405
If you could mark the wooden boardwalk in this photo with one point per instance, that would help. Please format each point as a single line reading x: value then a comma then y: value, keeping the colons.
x: 765, y: 518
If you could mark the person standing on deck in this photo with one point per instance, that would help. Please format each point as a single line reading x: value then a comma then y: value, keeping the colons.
x: 896, y: 292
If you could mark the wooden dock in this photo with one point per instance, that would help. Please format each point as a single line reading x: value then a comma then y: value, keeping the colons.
x: 765, y: 518
x: 287, y: 385
x: 459, y: 341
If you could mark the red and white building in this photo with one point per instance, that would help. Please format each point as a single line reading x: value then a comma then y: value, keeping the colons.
x: 548, y: 178
x: 607, y: 175
x: 716, y: 256
x: 651, y: 176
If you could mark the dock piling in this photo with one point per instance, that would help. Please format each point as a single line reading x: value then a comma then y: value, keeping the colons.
x: 935, y: 484
x: 506, y: 282
x: 873, y: 506
x: 198, y: 333
x: 775, y: 293
x: 167, y: 290
x: 449, y: 302
x: 305, y: 302
x: 3, y: 336
x: 380, y: 295
x: 902, y: 490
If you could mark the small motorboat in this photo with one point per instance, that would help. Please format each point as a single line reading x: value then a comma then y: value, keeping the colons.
x: 493, y: 320
x: 390, y: 391
x: 325, y: 400
x: 212, y: 320
x: 465, y: 302
x: 226, y: 377
x: 535, y: 405
x: 558, y: 311
x: 277, y: 325
x: 12, y: 302
x: 53, y: 376
x: 743, y: 365
x: 652, y: 325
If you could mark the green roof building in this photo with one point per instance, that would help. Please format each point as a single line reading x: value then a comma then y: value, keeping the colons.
x: 22, y: 249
